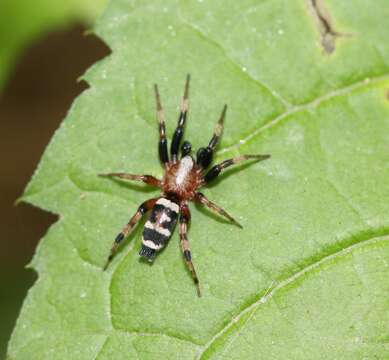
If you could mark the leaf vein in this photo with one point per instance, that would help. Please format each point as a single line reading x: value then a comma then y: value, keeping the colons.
x: 307, y: 106
x: 295, y: 276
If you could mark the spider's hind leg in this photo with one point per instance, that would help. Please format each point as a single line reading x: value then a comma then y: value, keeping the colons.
x: 204, y: 155
x: 184, y: 220
x: 146, y: 206
x: 202, y: 199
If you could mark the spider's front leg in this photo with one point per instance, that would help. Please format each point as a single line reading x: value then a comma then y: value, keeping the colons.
x: 179, y: 132
x: 162, y: 145
x: 148, y: 179
x: 143, y: 209
x: 184, y: 220
x: 204, y: 155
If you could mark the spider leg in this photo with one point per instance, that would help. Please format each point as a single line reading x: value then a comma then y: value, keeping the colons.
x: 201, y: 198
x: 215, y: 170
x: 184, y: 220
x: 146, y: 206
x: 148, y: 179
x: 179, y: 132
x: 162, y: 146
x: 204, y: 155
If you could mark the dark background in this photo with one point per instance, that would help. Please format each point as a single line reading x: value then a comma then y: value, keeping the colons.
x: 34, y: 101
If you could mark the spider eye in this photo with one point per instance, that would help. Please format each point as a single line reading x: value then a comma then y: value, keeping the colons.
x: 186, y: 148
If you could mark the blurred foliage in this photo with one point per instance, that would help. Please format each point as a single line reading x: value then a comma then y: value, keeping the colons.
x: 22, y: 21
x: 15, y: 280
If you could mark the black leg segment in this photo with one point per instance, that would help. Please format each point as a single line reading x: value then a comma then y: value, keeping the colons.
x: 178, y: 134
x: 214, y: 172
x: 204, y: 155
x: 162, y: 145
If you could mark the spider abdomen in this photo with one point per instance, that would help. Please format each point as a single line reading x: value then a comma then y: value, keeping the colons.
x: 159, y: 227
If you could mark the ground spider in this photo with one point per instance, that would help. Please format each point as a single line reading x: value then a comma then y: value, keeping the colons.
x: 179, y: 185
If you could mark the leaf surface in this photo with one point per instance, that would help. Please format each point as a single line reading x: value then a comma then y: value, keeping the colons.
x: 307, y: 277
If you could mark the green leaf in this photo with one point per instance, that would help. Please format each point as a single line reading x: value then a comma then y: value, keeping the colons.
x: 23, y: 21
x: 307, y: 277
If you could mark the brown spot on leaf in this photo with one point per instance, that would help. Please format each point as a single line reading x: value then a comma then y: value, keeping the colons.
x: 327, y: 32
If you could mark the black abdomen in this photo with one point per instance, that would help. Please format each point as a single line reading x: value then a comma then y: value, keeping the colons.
x: 159, y: 227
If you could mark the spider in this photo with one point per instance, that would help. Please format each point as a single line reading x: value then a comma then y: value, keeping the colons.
x: 183, y: 177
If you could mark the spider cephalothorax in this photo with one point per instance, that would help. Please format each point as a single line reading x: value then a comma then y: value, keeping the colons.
x: 179, y: 185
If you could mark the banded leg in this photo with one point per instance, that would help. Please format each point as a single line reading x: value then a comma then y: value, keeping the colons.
x: 201, y: 198
x: 162, y: 146
x: 214, y: 172
x: 204, y: 155
x: 179, y: 132
x: 148, y: 179
x: 146, y: 206
x: 184, y: 220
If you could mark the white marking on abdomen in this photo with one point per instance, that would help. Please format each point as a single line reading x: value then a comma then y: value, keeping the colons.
x: 157, y: 228
x: 152, y: 245
x: 169, y: 204
x: 186, y: 165
x: 164, y: 217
